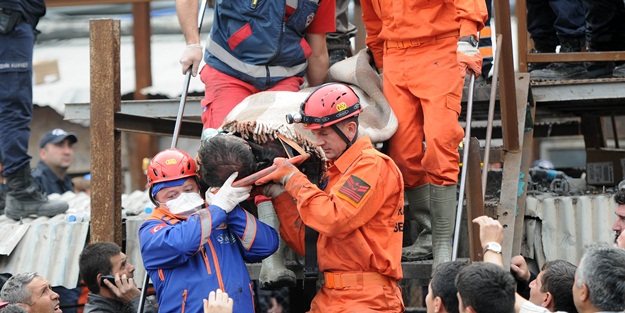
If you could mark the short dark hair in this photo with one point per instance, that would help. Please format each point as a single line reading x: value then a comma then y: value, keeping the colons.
x: 558, y: 279
x: 487, y: 288
x: 222, y: 155
x: 443, y: 283
x: 15, y: 290
x: 602, y: 270
x: 619, y: 197
x: 96, y: 259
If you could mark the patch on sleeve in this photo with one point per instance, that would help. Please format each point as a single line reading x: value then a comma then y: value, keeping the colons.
x: 158, y: 227
x: 353, y: 190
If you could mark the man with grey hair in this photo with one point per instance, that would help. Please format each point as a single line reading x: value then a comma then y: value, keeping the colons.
x: 600, y: 280
x: 32, y: 292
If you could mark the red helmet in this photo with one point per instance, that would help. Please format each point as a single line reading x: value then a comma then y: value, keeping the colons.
x: 168, y: 165
x: 328, y: 105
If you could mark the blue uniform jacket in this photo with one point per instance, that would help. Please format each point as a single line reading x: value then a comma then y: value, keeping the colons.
x: 187, y: 259
x: 251, y: 40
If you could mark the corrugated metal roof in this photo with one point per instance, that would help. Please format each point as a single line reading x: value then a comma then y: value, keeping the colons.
x: 51, y: 246
x: 560, y: 227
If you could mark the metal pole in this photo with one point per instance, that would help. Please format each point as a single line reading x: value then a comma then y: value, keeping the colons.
x: 465, y: 160
x: 174, y: 140
x: 185, y: 86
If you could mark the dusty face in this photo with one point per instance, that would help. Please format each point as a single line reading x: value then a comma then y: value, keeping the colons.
x: 619, y: 225
x: 42, y: 299
x: 58, y: 155
x: 536, y: 296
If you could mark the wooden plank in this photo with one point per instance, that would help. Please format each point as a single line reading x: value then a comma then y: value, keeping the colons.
x: 64, y: 3
x: 475, y: 202
x: 506, y: 78
x: 105, y: 139
x: 527, y: 131
x: 593, y: 132
x: 507, y: 209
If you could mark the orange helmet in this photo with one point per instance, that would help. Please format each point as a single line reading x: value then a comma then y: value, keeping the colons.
x: 328, y: 105
x: 168, y: 165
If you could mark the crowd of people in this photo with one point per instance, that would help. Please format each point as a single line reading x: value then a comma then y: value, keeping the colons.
x: 195, y: 243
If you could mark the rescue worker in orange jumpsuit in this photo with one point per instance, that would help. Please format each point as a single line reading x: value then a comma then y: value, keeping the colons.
x: 424, y: 50
x: 357, y: 210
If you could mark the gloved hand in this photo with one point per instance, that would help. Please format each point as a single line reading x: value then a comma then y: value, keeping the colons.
x: 272, y: 190
x: 469, y: 57
x: 228, y: 197
x: 191, y: 57
x: 281, y: 175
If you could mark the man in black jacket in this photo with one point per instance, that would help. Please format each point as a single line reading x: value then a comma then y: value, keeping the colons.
x: 121, y: 296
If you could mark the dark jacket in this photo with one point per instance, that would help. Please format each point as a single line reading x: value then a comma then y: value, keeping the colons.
x: 102, y: 304
x: 32, y: 10
x: 251, y: 41
x: 49, y: 182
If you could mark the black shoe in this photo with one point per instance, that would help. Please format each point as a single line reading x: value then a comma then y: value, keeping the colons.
x: 600, y: 69
x: 24, y: 198
x: 560, y: 71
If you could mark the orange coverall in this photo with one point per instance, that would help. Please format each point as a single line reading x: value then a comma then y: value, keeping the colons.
x: 415, y: 43
x: 359, y: 217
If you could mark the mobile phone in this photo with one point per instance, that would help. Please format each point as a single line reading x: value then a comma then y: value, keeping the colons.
x: 110, y: 278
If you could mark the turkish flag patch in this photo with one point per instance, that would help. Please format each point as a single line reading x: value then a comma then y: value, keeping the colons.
x: 353, y: 190
x: 158, y: 227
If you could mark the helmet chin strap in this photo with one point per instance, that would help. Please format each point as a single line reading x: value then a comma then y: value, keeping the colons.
x: 342, y: 135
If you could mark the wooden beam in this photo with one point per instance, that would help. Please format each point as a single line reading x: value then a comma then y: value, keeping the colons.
x: 105, y: 139
x: 526, y: 130
x: 506, y: 78
x: 475, y: 202
x: 507, y: 210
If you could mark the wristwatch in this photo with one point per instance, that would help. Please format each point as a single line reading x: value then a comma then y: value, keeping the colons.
x: 470, y: 39
x: 492, y: 246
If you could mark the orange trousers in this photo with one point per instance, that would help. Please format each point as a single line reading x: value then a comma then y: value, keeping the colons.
x: 223, y: 92
x: 358, y: 299
x: 424, y: 88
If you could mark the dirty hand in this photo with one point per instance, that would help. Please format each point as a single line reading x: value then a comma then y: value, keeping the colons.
x: 281, y: 175
x: 218, y: 302
x: 272, y: 190
x: 125, y: 288
x: 191, y: 57
x: 227, y: 197
x: 469, y: 58
x: 490, y: 230
x: 519, y: 269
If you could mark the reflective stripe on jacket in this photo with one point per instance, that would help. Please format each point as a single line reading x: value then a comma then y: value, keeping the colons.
x: 187, y: 259
x: 251, y: 40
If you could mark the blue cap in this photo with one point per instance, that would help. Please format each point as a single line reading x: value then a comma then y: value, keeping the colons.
x: 57, y: 135
x: 172, y: 183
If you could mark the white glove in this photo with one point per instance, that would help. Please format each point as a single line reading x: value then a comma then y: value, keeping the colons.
x: 228, y: 197
x: 191, y: 57
x: 469, y: 57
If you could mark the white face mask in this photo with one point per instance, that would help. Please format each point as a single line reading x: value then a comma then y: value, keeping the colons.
x: 186, y: 204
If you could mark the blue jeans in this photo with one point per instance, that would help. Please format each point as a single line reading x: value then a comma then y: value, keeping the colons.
x: 16, y: 95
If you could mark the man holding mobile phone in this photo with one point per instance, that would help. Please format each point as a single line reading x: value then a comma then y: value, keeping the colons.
x: 109, y: 276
